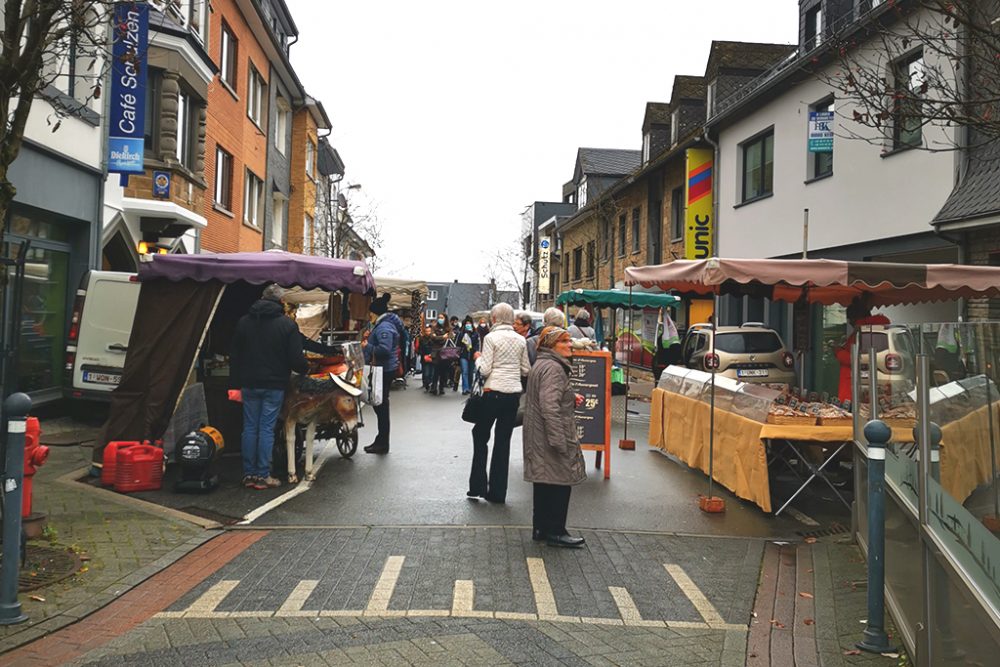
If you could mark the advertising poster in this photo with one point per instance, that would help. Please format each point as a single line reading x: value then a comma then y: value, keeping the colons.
x: 544, y: 264
x: 699, y: 228
x: 128, y: 88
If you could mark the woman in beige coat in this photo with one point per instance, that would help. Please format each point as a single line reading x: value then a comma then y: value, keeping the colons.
x: 553, y: 461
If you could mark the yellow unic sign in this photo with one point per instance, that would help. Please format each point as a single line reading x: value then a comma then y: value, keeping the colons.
x: 699, y: 227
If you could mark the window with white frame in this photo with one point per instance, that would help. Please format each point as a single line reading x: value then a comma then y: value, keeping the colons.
x: 645, y: 147
x: 814, y: 27
x: 432, y: 295
x: 310, y: 158
x: 675, y: 123
x: 581, y: 193
x: 710, y: 99
x: 256, y: 95
x: 907, y: 123
x: 278, y: 214
x: 227, y: 56
x: 253, y: 200
x: 283, y: 113
x: 307, y: 235
x: 821, y: 163
x: 431, y: 314
x: 187, y: 129
x: 223, y: 179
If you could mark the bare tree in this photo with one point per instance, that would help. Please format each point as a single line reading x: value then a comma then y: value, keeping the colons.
x: 909, y: 64
x: 44, y: 42
x: 504, y: 272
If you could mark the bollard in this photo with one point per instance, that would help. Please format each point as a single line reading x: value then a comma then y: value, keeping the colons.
x: 15, y: 410
x: 878, y: 433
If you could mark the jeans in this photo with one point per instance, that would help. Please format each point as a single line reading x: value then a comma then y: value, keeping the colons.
x: 551, y: 506
x: 382, y: 414
x: 467, y: 367
x: 428, y: 379
x: 500, y: 409
x: 260, y: 414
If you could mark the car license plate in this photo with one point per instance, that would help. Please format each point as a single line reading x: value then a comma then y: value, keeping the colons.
x: 751, y: 372
x: 102, y: 378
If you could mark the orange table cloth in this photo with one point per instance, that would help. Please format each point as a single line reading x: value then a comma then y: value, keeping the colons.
x: 680, y: 425
x: 965, y: 452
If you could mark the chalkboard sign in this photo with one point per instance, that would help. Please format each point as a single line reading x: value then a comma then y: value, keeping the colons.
x: 591, y: 377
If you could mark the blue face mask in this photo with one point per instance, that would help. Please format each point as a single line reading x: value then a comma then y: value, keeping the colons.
x: 468, y: 327
x: 440, y: 321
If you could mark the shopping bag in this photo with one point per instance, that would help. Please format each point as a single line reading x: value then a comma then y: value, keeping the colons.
x: 373, y: 378
x: 475, y: 405
x: 449, y: 352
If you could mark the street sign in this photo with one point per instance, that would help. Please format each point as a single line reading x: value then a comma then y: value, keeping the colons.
x: 544, y: 264
x: 820, y: 131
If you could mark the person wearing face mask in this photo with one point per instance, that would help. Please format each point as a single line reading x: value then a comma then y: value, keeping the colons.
x: 482, y: 329
x: 441, y: 334
x: 468, y: 345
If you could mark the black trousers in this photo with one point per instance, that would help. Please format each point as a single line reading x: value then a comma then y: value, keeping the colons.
x: 382, y: 413
x: 551, y: 506
x: 442, y: 374
x: 501, y: 409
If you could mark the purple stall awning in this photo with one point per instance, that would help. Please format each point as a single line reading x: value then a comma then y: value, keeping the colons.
x: 259, y: 268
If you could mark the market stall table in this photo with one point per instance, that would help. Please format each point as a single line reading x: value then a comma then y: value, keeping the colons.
x: 679, y: 425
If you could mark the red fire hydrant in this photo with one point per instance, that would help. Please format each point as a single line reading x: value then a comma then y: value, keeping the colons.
x: 35, y: 455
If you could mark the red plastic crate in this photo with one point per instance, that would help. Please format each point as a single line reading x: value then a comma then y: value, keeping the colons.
x: 140, y: 468
x: 111, y: 459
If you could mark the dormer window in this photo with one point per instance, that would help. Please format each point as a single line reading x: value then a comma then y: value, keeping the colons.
x: 675, y: 121
x: 645, y: 148
x: 710, y: 100
x: 581, y: 193
x: 814, y: 28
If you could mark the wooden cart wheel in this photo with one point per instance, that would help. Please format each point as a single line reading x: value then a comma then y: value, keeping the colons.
x: 347, y: 443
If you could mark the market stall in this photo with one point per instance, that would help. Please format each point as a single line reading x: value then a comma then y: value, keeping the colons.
x: 186, y: 314
x: 734, y: 443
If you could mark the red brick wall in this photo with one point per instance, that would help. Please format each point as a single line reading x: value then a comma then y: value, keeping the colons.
x: 229, y: 126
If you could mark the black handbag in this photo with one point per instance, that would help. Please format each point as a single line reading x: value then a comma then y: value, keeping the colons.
x: 475, y: 405
x: 449, y: 352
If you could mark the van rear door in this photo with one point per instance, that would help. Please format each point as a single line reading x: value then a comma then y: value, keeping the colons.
x: 108, y: 309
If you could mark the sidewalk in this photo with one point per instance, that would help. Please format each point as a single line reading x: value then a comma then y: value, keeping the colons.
x: 120, y: 543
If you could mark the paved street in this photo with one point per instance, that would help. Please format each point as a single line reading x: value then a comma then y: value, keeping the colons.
x: 383, y: 561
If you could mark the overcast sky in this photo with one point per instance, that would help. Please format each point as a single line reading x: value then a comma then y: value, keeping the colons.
x: 455, y: 115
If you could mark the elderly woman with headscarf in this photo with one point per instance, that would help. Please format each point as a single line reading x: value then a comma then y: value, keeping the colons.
x: 503, y: 361
x: 553, y: 461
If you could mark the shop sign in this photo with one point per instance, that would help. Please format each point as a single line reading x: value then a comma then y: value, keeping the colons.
x: 699, y: 235
x: 820, y: 131
x: 544, y: 264
x: 128, y: 87
x: 161, y: 184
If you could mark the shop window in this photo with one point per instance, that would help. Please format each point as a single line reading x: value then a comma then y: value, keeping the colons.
x: 758, y: 166
x: 253, y: 200
x: 909, y: 77
x: 223, y: 179
x: 635, y: 229
x: 227, y: 57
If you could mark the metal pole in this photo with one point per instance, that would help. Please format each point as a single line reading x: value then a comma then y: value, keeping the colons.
x: 711, y: 405
x: 805, y: 233
x: 925, y: 465
x: 993, y: 446
x: 16, y: 409
x: 628, y: 359
x: 875, y: 639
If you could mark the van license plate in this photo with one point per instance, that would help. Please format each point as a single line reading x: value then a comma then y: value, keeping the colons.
x: 751, y: 373
x: 102, y: 378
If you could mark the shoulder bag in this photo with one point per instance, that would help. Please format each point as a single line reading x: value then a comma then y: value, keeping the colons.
x: 449, y: 352
x: 475, y: 404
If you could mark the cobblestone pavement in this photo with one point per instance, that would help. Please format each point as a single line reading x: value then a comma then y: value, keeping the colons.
x: 121, y: 545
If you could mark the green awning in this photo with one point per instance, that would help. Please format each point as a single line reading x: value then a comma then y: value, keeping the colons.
x: 615, y: 298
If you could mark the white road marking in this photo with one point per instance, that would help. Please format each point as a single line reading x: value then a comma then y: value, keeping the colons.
x: 694, y: 594
x: 801, y: 517
x: 463, y: 601
x: 298, y: 597
x: 545, y: 601
x: 321, y: 456
x: 211, y: 598
x: 379, y: 601
x: 629, y: 612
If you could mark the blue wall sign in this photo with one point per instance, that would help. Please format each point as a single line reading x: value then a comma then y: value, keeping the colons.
x: 161, y: 184
x: 128, y: 88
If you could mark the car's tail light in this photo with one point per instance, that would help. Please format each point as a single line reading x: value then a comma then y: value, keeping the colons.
x: 73, y: 336
x: 711, y: 362
x: 788, y: 360
x: 893, y: 363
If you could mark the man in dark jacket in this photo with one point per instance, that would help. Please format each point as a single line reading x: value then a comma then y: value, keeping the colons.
x: 266, y: 348
x: 383, y: 350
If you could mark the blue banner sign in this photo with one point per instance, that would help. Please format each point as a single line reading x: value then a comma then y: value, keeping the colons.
x: 128, y: 87
x: 820, y: 131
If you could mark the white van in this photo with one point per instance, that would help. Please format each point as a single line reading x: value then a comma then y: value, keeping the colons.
x: 99, y: 334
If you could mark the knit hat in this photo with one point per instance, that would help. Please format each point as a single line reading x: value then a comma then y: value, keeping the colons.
x: 552, y: 335
x: 273, y: 292
x: 380, y: 305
